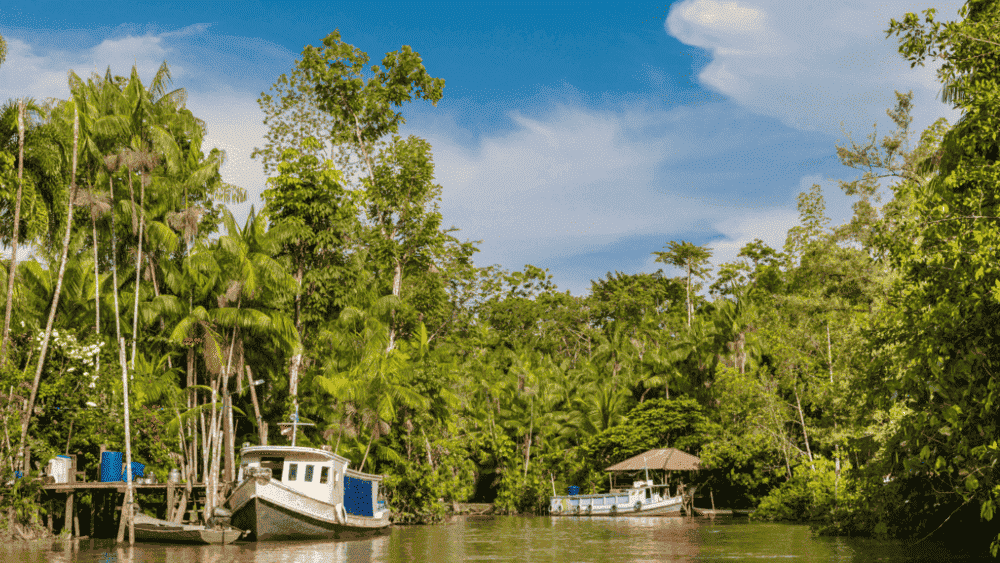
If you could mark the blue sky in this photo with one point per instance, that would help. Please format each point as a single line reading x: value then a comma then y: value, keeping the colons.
x: 578, y: 137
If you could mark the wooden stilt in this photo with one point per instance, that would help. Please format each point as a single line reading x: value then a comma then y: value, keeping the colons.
x: 182, y: 505
x: 95, y: 503
x: 68, y: 521
x: 712, y: 496
x: 169, y: 516
x: 123, y: 519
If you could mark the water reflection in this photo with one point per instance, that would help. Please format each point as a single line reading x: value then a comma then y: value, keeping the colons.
x: 556, y: 540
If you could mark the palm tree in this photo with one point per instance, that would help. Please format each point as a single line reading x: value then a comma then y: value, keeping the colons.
x: 247, y: 253
x: 41, y: 181
x: 372, y: 382
x: 14, y: 233
x: 29, y: 408
x: 97, y: 203
x: 693, y: 259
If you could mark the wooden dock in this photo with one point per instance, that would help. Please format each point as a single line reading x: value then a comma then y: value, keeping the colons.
x: 105, y: 503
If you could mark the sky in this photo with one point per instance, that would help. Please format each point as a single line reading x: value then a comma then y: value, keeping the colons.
x: 579, y: 137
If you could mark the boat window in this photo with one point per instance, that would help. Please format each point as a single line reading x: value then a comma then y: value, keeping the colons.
x: 274, y: 464
x: 649, y: 493
x: 309, y: 473
x: 293, y: 471
x: 324, y: 475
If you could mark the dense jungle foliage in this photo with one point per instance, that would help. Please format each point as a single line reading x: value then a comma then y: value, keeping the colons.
x: 846, y: 379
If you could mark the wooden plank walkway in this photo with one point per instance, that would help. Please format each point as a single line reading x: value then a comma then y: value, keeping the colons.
x: 106, y: 500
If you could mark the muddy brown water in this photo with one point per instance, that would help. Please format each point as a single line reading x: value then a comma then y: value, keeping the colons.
x: 511, y: 538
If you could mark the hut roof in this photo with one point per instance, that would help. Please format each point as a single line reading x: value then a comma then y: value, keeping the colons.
x: 666, y: 458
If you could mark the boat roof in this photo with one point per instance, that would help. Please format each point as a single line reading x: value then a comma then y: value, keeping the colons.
x: 291, y: 451
x: 665, y: 458
x: 366, y: 476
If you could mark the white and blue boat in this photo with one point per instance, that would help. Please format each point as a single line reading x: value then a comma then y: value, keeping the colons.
x: 290, y: 493
x: 643, y: 499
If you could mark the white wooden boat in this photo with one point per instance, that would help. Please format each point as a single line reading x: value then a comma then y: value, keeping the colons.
x: 643, y: 499
x: 290, y: 492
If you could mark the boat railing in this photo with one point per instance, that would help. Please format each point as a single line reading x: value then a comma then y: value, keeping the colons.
x: 624, y: 496
x: 365, y: 476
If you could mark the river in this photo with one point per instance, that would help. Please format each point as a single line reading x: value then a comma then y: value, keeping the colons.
x: 511, y: 538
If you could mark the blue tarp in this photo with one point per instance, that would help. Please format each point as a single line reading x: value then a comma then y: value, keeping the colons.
x: 358, y: 496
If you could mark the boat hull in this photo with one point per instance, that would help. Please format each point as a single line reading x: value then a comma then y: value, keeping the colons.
x: 270, y: 511
x: 665, y: 507
x: 160, y: 531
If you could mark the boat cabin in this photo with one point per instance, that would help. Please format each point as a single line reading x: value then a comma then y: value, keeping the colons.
x: 315, y: 473
x: 361, y: 494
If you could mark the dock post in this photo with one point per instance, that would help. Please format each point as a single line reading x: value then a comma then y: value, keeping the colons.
x: 69, y: 513
x: 93, y: 513
x: 123, y: 520
x: 169, y: 516
x: 68, y: 520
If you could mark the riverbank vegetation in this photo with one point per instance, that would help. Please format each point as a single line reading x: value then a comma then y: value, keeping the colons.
x: 845, y: 379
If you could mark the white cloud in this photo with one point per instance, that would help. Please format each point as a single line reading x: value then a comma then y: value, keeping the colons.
x: 813, y: 65
x: 576, y: 181
x: 544, y: 187
x: 723, y: 16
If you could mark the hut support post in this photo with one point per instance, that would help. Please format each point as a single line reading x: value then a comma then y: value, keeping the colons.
x: 68, y: 521
x: 712, y: 497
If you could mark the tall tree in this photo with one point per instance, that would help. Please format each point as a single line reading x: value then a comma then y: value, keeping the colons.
x: 359, y: 110
x: 16, y: 227
x: 402, y: 203
x: 307, y: 200
x: 692, y: 259
x: 30, y: 406
x: 935, y: 348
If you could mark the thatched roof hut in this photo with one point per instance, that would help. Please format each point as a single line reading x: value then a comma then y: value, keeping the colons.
x: 667, y: 459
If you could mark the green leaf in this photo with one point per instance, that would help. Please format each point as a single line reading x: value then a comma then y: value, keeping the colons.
x: 971, y: 483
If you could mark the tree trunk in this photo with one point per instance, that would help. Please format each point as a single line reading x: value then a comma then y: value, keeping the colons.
x: 26, y: 417
x: 230, y: 438
x: 802, y: 420
x: 397, y: 290
x: 97, y: 297
x: 215, y: 447
x: 293, y: 370
x: 138, y: 265
x: 206, y: 445
x: 531, y: 430
x: 15, y: 235
x: 225, y: 417
x: 427, y: 446
x: 368, y: 449
x: 129, y: 488
x: 261, y: 432
x: 121, y: 361
x: 689, y: 308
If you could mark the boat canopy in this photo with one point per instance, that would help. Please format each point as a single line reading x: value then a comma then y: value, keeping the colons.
x: 667, y: 459
x: 290, y: 451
